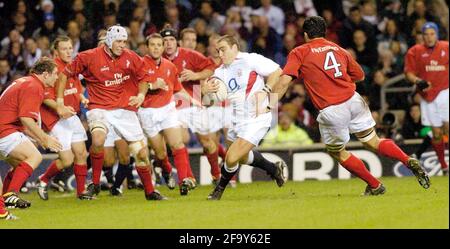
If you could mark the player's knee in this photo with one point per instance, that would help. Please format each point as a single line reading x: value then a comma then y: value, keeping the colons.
x: 98, y: 140
x: 109, y: 161
x: 231, y: 159
x: 177, y: 145
x: 80, y: 155
x: 139, y: 152
x: 34, y: 159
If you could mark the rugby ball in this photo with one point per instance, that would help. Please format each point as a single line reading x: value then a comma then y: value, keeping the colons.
x: 219, y: 96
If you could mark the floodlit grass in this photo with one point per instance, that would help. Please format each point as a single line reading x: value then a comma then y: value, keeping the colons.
x: 310, y: 204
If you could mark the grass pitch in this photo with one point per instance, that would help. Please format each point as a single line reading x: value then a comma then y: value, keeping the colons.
x: 310, y: 204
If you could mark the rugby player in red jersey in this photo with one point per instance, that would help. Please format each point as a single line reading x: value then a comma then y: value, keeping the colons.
x: 108, y: 70
x: 426, y: 66
x: 67, y: 129
x: 19, y: 108
x: 329, y: 73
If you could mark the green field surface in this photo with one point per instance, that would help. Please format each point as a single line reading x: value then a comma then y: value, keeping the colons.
x: 309, y: 204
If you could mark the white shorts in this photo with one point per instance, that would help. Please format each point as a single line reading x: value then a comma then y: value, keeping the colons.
x: 251, y: 130
x: 215, y: 118
x: 435, y: 113
x: 69, y: 131
x: 120, y: 123
x: 194, y: 118
x: 10, y: 142
x: 154, y: 120
x: 336, y: 122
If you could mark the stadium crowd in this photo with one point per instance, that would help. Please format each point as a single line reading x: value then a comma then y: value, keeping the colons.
x: 376, y: 32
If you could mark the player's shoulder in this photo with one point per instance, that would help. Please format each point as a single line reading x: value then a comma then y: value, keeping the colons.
x: 417, y: 48
x: 443, y: 43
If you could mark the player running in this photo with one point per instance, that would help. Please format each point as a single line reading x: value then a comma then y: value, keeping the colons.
x: 108, y: 70
x: 68, y: 129
x: 329, y: 73
x: 243, y: 75
x: 426, y: 66
x: 158, y: 114
x: 193, y: 67
x: 19, y: 108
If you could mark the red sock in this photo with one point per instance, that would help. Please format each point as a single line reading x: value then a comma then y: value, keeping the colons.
x: 80, y: 172
x: 357, y: 168
x: 181, y: 159
x: 21, y: 174
x: 7, y: 181
x: 51, y: 171
x: 222, y: 151
x: 440, y: 152
x: 213, y: 160
x: 389, y: 149
x: 188, y: 168
x: 146, y: 178
x: 3, y: 211
x: 165, y: 165
x: 97, y: 165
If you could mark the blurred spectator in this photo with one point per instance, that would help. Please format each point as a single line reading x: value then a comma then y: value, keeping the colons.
x: 200, y: 28
x: 291, y: 30
x: 369, y: 12
x: 391, y: 33
x: 13, y: 36
x: 244, y: 10
x: 412, y: 123
x: 15, y: 59
x: 305, y: 7
x: 391, y: 10
x: 234, y: 20
x: 289, y: 43
x: 420, y: 11
x: 379, y: 79
x: 49, y: 29
x: 135, y: 36
x: 352, y: 23
x: 74, y: 32
x: 173, y: 17
x: 214, y: 20
x: 333, y: 26
x: 20, y: 24
x: 188, y: 38
x: 366, y: 55
x: 43, y: 43
x: 5, y: 75
x: 31, y: 52
x: 264, y: 39
x: 286, y: 134
x: 274, y: 15
x: 212, y: 49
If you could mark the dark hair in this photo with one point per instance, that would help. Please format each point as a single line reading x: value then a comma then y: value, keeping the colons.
x: 61, y: 38
x: 44, y: 64
x: 151, y: 36
x: 231, y: 40
x: 315, y: 26
x: 187, y: 30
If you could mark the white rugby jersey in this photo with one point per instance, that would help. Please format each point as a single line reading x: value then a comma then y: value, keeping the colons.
x: 243, y: 77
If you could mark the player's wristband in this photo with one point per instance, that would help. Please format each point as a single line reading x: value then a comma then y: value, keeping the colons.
x: 60, y: 101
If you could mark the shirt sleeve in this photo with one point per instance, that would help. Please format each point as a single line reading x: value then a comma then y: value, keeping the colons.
x: 30, y: 100
x: 293, y: 64
x: 354, y: 70
x: 262, y: 65
x: 78, y: 65
x: 410, y: 61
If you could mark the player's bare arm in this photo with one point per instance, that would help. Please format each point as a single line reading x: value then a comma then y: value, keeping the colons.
x: 42, y: 138
x: 139, y: 99
x: 60, y: 86
x: 64, y: 111
x: 188, y: 75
